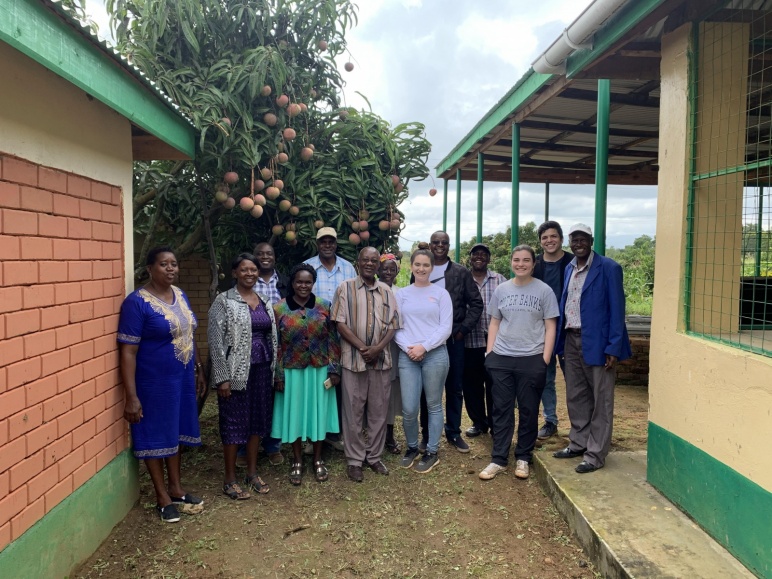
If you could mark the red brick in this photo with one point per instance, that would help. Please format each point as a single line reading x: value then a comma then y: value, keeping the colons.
x: 20, y: 272
x: 117, y: 233
x: 3, y: 432
x: 104, y: 457
x: 24, y: 421
x: 10, y: 195
x: 57, y: 450
x: 12, y: 505
x: 105, y: 418
x: 115, y: 431
x: 106, y: 307
x: 52, y: 225
x: 56, y: 406
x: 33, y: 248
x: 52, y: 271
x: 93, y: 329
x: 111, y: 213
x: 94, y: 368
x: 81, y: 352
x: 112, y: 360
x: 84, y: 473
x: 82, y: 393
x: 10, y: 300
x: 20, y: 171
x: 79, y: 186
x: 117, y: 268
x: 41, y: 437
x: 3, y: 380
x: 42, y: 483
x: 4, y: 484
x: 11, y: 402
x: 70, y: 421
x: 54, y: 317
x: 23, y: 372
x: 33, y: 199
x: 28, y: 517
x: 105, y: 344
x: 117, y: 195
x: 69, y: 378
x: 83, y: 433
x: 81, y: 311
x: 41, y: 390
x: 52, y: 179
x: 113, y: 287
x: 19, y: 222
x: 111, y: 323
x: 67, y: 293
x: 20, y: 323
x: 90, y: 249
x: 92, y: 290
x: 78, y: 270
x: 57, y: 494
x: 38, y: 296
x: 94, y: 407
x: 68, y: 335
x: 39, y: 343
x: 5, y: 535
x: 69, y: 463
x: 67, y: 249
x: 113, y: 396
x: 101, y: 192
x: 102, y: 231
x: 112, y: 251
x: 90, y: 210
x: 55, y: 361
x: 106, y: 381
x: 94, y: 445
x: 102, y: 270
x: 25, y: 470
x: 11, y: 351
x: 65, y: 205
x: 10, y: 247
x: 78, y: 228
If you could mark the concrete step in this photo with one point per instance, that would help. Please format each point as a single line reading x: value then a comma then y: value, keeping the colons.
x: 628, y: 528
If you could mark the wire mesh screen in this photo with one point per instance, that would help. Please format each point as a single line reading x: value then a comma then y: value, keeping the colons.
x: 729, y: 274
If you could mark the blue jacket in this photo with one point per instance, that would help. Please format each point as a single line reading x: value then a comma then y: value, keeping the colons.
x: 602, y: 309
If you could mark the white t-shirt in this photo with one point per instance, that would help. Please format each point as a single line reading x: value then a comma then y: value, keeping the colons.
x: 437, y: 277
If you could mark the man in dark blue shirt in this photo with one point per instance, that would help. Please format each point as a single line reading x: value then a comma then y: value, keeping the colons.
x: 550, y: 266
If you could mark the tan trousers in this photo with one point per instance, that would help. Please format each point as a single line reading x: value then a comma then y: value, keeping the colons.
x: 367, y: 391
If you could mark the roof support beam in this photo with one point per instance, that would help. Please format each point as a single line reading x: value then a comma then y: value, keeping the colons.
x: 638, y: 100
x: 542, y: 125
x: 601, y: 165
x: 480, y: 177
x: 515, y: 218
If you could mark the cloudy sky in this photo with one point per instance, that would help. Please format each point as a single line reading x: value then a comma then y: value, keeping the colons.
x: 445, y: 63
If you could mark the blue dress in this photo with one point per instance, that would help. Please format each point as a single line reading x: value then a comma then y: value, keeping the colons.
x: 165, y: 376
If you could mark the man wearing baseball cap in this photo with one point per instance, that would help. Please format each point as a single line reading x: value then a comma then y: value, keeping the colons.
x: 593, y: 337
x: 477, y: 393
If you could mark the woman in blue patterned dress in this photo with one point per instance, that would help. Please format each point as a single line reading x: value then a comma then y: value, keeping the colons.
x: 242, y: 348
x: 162, y: 373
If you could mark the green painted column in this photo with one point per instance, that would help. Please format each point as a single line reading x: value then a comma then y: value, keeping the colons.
x: 445, y: 206
x: 458, y: 214
x: 515, y: 185
x: 601, y: 165
x: 759, y: 234
x: 546, y: 201
x: 480, y: 176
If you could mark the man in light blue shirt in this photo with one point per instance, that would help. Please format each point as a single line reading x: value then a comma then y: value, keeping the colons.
x: 331, y: 269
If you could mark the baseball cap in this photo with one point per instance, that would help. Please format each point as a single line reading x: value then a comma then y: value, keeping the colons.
x: 325, y: 231
x: 580, y: 227
x: 477, y: 246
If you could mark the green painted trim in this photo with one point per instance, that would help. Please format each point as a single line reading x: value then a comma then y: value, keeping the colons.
x: 515, y: 217
x: 33, y: 29
x: 445, y: 205
x: 732, y: 170
x: 731, y: 344
x: 458, y: 216
x: 525, y: 88
x: 480, y: 181
x: 731, y: 508
x: 601, y: 164
x: 616, y: 27
x: 75, y: 528
x: 692, y: 56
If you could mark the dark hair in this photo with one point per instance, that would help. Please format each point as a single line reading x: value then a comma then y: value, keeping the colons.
x: 550, y: 225
x: 524, y: 247
x: 243, y: 257
x: 153, y: 254
x: 254, y: 249
x: 296, y: 270
x: 422, y: 251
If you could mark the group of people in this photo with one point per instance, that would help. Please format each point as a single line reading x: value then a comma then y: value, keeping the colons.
x: 332, y: 351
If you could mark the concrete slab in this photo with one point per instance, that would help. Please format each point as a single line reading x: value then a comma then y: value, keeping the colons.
x: 626, y: 526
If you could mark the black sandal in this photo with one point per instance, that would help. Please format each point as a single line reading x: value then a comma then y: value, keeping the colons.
x: 234, y: 491
x: 320, y: 471
x: 257, y: 484
x: 393, y: 447
x: 296, y: 473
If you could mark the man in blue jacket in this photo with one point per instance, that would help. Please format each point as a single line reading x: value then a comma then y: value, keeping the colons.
x: 593, y: 337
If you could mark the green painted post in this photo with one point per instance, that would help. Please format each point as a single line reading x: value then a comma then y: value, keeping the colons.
x: 759, y: 233
x: 458, y: 214
x: 546, y: 201
x: 601, y: 164
x: 515, y: 184
x: 480, y: 175
x: 445, y: 206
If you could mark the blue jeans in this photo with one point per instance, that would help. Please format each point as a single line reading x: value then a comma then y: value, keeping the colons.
x: 549, y: 397
x: 426, y: 376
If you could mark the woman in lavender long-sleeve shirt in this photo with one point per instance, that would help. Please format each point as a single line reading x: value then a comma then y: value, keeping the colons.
x: 427, y: 315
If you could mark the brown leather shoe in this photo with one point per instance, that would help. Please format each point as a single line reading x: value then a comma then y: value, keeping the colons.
x: 379, y: 467
x: 355, y: 473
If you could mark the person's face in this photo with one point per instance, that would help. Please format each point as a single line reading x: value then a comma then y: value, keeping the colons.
x: 302, y: 284
x: 245, y: 274
x: 550, y: 241
x: 480, y: 260
x: 440, y: 245
x: 522, y: 263
x: 327, y: 246
x: 580, y: 243
x: 388, y: 272
x: 165, y: 269
x: 266, y: 257
x: 421, y: 267
x: 368, y: 262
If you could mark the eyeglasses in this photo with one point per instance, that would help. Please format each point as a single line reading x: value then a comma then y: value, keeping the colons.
x: 440, y: 242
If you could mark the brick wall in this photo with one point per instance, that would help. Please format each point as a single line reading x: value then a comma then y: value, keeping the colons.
x: 194, y: 280
x: 61, y: 287
x: 635, y: 371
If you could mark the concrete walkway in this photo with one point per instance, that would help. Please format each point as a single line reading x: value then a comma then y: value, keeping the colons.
x: 626, y: 526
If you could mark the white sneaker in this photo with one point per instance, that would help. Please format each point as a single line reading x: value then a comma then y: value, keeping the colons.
x: 490, y: 471
x: 521, y: 469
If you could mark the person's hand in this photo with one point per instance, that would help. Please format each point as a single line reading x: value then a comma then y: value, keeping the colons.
x: 132, y: 411
x: 334, y: 378
x: 224, y: 390
x: 200, y: 384
x: 416, y: 353
x: 547, y: 360
x: 458, y: 336
x: 611, y: 361
x: 278, y: 385
x: 370, y: 354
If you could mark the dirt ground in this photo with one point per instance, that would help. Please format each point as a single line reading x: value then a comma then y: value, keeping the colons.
x: 446, y: 523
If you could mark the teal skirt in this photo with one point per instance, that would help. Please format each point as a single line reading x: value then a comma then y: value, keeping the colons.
x: 306, y: 409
